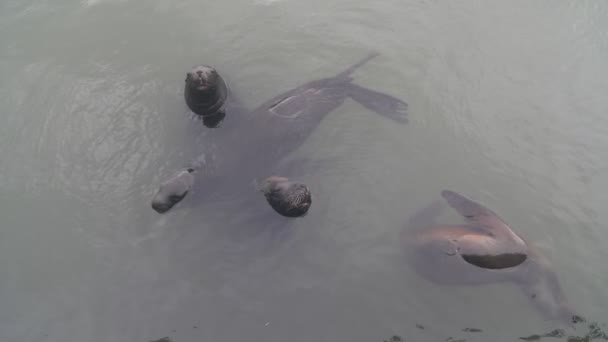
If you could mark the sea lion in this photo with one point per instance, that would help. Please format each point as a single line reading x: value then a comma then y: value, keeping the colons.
x: 173, y: 190
x: 205, y: 93
x: 283, y: 123
x: 259, y: 141
x: 287, y: 198
x: 485, y: 250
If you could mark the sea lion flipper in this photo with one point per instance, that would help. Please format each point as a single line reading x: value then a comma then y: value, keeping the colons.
x: 383, y: 104
x: 481, y: 217
x: 471, y: 210
x: 488, y: 252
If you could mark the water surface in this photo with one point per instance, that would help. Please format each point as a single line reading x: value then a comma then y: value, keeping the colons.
x: 507, y: 103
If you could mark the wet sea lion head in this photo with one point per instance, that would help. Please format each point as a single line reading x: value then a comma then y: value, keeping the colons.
x: 205, y: 94
x: 173, y: 191
x: 203, y: 79
x: 164, y: 202
x: 287, y: 198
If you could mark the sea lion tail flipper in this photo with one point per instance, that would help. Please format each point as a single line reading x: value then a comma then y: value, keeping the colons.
x: 541, y: 285
x: 383, y: 104
x: 483, y: 219
x: 346, y: 73
x: 468, y: 208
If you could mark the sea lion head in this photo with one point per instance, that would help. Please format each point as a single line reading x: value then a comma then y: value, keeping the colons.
x: 287, y: 198
x: 205, y: 94
x: 203, y: 79
x: 163, y: 202
x: 173, y: 191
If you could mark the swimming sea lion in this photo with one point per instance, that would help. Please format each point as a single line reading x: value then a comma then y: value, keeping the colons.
x: 260, y: 140
x: 485, y: 250
x: 283, y: 123
x: 173, y: 190
x: 287, y: 198
x: 205, y: 93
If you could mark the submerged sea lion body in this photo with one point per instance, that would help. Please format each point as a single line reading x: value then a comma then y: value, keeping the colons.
x: 255, y: 145
x: 485, y: 250
x: 282, y: 124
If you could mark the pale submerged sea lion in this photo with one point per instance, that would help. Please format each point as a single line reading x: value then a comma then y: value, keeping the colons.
x: 484, y: 250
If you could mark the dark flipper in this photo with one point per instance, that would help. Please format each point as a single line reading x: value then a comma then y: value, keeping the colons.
x: 383, y: 104
x: 495, y: 262
x: 483, y: 218
x: 470, y: 209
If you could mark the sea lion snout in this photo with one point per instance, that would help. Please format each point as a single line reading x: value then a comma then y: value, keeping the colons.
x: 202, y: 78
x: 205, y: 94
x: 173, y: 191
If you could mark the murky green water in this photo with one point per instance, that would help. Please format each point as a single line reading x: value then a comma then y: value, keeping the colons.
x: 508, y: 105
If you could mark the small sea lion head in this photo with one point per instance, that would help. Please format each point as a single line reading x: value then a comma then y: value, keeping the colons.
x: 289, y: 199
x: 173, y: 191
x: 202, y: 78
x: 163, y: 202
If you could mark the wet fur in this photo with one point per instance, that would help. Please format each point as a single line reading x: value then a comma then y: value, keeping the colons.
x: 287, y: 198
x: 205, y: 91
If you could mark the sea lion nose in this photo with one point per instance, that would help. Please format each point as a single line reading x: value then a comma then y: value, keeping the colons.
x: 160, y: 208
